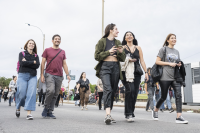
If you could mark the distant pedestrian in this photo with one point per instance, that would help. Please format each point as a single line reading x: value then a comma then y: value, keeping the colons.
x: 150, y: 90
x: 63, y: 93
x: 27, y: 79
x: 58, y: 98
x: 12, y: 89
x: 84, y: 90
x: 122, y: 92
x: 5, y: 94
x: 100, y: 92
x: 53, y: 76
x: 1, y: 91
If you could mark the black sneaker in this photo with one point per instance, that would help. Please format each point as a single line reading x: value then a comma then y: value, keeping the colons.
x: 181, y: 120
x: 50, y: 115
x: 38, y: 104
x: 44, y: 113
x: 161, y: 110
x: 171, y: 110
x: 29, y: 117
x: 154, y: 115
x: 107, y: 119
x: 17, y: 113
x: 10, y: 104
x: 112, y: 120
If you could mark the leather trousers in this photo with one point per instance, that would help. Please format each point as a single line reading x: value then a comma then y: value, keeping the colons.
x: 131, y: 92
x: 109, y: 74
x: 164, y: 85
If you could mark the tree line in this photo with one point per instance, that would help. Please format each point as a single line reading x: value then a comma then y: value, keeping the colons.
x: 4, y: 82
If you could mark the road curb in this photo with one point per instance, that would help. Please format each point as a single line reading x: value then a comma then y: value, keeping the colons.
x: 184, y: 110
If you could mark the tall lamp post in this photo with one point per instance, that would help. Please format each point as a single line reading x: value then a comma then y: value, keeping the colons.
x: 41, y: 31
x: 102, y: 17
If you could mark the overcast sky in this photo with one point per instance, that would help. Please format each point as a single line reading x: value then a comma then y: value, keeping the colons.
x: 79, y: 22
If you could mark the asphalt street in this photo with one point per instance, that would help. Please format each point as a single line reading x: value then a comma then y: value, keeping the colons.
x: 71, y: 119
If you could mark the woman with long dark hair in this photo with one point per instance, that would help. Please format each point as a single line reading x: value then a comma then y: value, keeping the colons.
x: 133, y: 54
x: 109, y: 52
x: 27, y: 79
x: 169, y: 58
x: 84, y: 90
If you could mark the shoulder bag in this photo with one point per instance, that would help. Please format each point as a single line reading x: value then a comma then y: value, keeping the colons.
x: 157, y: 70
x: 43, y: 85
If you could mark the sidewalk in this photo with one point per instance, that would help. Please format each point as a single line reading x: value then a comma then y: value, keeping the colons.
x: 195, y: 109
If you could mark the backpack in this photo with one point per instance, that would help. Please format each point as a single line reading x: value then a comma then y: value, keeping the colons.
x: 18, y: 64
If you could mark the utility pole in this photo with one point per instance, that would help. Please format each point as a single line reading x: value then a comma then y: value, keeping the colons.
x: 102, y: 17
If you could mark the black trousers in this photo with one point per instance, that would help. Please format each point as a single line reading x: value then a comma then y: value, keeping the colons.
x: 109, y: 74
x: 100, y: 99
x: 164, y: 85
x: 131, y: 92
x: 57, y: 100
x: 41, y: 98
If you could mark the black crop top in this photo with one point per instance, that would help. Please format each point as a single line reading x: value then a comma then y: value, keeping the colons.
x: 109, y: 45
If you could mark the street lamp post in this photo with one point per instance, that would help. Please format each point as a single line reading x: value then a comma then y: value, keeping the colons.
x: 41, y: 31
x: 102, y: 17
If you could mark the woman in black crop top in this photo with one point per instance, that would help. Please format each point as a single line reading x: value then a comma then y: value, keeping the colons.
x: 135, y: 53
x: 84, y: 90
x: 109, y: 52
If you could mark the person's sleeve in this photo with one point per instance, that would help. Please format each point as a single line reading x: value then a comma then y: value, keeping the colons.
x: 36, y: 66
x: 161, y: 52
x: 100, y: 55
x: 44, y: 55
x: 79, y: 82
x: 64, y: 57
x: 24, y: 63
x: 97, y: 82
x: 121, y: 56
x: 10, y: 84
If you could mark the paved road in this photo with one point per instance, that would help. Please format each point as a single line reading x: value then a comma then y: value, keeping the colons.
x: 72, y: 119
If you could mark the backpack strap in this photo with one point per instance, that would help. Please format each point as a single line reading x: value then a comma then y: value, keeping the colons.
x: 23, y: 53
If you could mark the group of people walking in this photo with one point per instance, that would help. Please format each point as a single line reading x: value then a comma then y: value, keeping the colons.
x: 116, y: 61
x: 109, y: 52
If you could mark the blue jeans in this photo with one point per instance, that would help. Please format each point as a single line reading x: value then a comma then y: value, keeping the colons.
x: 26, y: 88
x: 11, y: 99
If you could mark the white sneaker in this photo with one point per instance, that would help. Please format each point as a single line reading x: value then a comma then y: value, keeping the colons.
x: 181, y: 120
x: 107, y: 119
x: 29, y: 117
x: 155, y: 115
x: 130, y: 118
x: 82, y: 108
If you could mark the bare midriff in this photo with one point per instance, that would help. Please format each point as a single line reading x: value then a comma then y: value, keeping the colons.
x: 111, y: 58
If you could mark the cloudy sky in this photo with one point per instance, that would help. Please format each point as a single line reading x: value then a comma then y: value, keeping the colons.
x: 79, y: 22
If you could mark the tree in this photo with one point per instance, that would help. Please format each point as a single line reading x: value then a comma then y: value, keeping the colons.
x: 4, y: 82
x: 142, y: 84
x: 92, y: 87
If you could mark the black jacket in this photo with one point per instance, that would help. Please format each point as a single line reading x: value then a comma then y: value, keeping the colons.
x: 28, y: 66
x: 179, y: 74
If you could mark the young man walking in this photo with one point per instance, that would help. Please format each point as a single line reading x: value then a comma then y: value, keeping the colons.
x: 56, y: 59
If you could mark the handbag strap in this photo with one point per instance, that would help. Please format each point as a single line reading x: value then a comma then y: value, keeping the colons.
x: 164, y: 54
x: 53, y: 58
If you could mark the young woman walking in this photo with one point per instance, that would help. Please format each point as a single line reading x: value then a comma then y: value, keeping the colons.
x: 12, y: 89
x: 84, y: 90
x: 109, y: 52
x: 27, y: 79
x: 171, y: 60
x: 134, y: 54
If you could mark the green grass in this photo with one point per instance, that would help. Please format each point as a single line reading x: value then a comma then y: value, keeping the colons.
x: 142, y: 96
